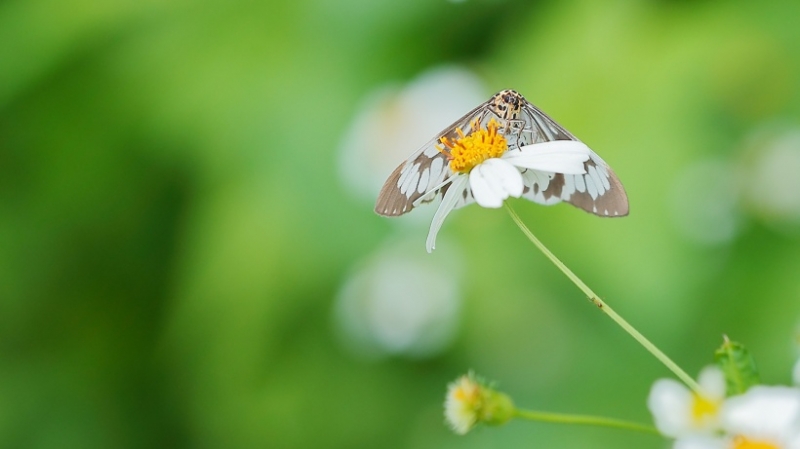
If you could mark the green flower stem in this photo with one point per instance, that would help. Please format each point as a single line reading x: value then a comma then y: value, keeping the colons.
x: 587, y: 420
x: 594, y: 299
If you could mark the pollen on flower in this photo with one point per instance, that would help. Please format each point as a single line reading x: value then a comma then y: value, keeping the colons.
x: 469, y: 150
x: 744, y: 443
x: 703, y: 408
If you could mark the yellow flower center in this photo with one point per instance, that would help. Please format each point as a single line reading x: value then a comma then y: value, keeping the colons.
x: 467, y: 393
x: 470, y: 150
x: 703, y: 407
x: 744, y: 443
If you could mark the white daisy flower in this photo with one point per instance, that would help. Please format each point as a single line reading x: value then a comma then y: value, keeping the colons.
x: 380, y: 312
x: 763, y: 418
x: 484, y: 163
x: 679, y: 412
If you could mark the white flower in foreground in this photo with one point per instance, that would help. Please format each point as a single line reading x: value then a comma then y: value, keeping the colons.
x: 679, y: 412
x: 763, y: 418
x: 470, y: 401
x: 483, y: 162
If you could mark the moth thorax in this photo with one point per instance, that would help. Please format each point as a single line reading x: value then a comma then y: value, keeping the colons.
x: 507, y: 104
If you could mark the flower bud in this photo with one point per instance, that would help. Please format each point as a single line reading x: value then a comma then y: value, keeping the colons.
x: 470, y: 401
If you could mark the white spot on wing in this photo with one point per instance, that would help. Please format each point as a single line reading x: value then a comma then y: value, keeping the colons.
x: 403, y: 176
x: 569, y: 186
x: 602, y: 173
x: 431, y: 151
x: 410, y: 179
x: 423, y: 181
x: 590, y: 187
x: 580, y: 186
x: 540, y: 178
x: 544, y: 180
x: 436, y: 169
x: 597, y: 182
x: 413, y: 184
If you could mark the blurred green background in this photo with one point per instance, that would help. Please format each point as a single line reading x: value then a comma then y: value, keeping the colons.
x: 175, y: 229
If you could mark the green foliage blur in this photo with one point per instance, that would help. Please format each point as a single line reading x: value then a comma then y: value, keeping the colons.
x: 174, y: 230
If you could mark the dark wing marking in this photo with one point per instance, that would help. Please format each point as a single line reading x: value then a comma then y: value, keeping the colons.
x: 598, y: 191
x: 419, y: 178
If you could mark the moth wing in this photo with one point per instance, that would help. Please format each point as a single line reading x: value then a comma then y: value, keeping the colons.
x: 598, y: 191
x: 421, y: 177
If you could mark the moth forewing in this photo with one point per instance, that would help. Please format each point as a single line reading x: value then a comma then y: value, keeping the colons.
x: 599, y: 191
x: 421, y: 176
x: 543, y: 128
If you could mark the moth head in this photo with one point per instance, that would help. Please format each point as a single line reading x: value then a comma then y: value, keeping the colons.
x: 507, y: 104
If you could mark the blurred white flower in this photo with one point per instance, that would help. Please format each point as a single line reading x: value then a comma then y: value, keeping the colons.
x: 796, y: 370
x: 393, y: 122
x: 712, y: 198
x: 796, y: 373
x: 705, y: 202
x: 763, y: 418
x: 771, y: 187
x: 400, y: 301
x: 679, y: 412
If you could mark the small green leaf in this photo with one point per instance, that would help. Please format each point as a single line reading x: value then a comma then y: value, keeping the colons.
x: 738, y: 365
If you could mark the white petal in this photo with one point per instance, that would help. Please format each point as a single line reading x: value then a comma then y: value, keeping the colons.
x: 493, y: 181
x: 482, y: 190
x: 449, y: 201
x: 670, y: 403
x: 559, y: 156
x: 794, y: 442
x: 712, y: 382
x: 763, y: 413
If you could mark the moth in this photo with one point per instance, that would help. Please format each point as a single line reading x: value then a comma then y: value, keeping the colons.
x: 427, y: 174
